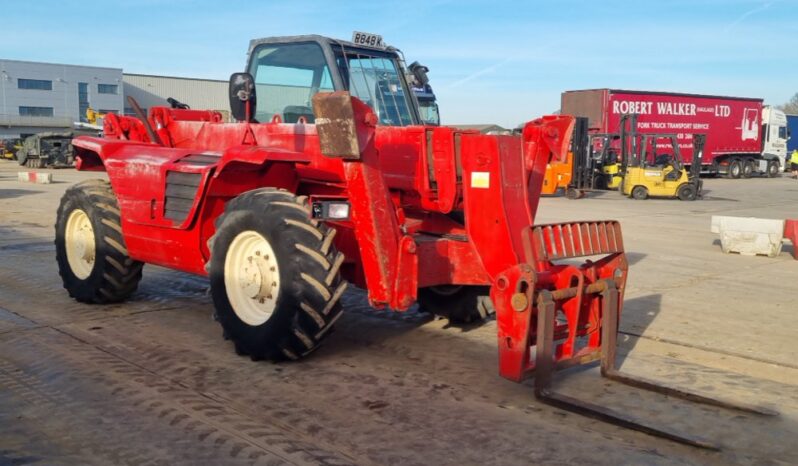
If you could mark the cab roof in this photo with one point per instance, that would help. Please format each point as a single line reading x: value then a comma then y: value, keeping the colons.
x: 316, y: 38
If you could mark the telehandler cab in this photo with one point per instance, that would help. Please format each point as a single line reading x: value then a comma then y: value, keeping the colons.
x: 327, y: 178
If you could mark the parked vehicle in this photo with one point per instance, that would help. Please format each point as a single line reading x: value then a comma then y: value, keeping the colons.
x: 792, y: 134
x: 743, y: 136
x: 328, y: 178
x: 9, y: 148
x: 652, y: 165
x: 49, y: 149
x: 427, y: 102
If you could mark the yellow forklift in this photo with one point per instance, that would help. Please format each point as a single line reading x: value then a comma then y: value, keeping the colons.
x: 607, y: 160
x: 652, y: 166
x: 593, y: 163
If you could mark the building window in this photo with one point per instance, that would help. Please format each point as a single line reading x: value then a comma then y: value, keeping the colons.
x: 105, y: 112
x: 107, y: 89
x: 38, y: 84
x: 36, y: 111
x: 83, y: 101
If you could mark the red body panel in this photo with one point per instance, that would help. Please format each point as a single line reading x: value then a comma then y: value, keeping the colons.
x: 732, y: 125
x: 429, y: 206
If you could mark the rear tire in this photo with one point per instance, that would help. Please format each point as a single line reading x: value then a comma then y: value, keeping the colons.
x: 639, y: 193
x: 748, y: 168
x: 90, y: 249
x: 274, y: 275
x: 461, y: 304
x: 735, y: 169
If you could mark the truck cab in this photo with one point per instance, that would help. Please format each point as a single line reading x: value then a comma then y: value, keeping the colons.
x: 774, y: 135
x: 427, y: 105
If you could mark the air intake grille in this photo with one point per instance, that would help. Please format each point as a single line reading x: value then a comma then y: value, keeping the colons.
x: 181, y: 190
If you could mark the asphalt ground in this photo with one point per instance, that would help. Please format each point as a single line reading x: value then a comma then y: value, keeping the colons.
x: 152, y: 381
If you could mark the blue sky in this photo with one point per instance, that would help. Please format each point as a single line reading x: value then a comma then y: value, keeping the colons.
x: 490, y: 62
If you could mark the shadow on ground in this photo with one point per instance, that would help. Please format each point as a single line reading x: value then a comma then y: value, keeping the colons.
x: 12, y: 193
x: 636, y: 316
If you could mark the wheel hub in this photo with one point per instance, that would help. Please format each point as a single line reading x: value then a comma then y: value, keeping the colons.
x: 252, y: 277
x: 255, y: 279
x: 80, y: 247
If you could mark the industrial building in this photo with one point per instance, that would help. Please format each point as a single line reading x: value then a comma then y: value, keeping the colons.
x: 150, y: 90
x: 39, y: 97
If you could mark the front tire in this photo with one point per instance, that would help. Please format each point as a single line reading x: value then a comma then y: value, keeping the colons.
x: 90, y: 249
x: 639, y: 193
x: 773, y: 169
x: 687, y: 192
x: 274, y: 275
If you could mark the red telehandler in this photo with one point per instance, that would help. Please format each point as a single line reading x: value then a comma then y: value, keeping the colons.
x: 327, y: 178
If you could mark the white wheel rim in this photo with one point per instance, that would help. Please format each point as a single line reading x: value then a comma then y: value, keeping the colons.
x: 80, y: 247
x: 251, y: 277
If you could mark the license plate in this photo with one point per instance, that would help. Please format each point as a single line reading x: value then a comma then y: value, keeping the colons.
x: 367, y: 39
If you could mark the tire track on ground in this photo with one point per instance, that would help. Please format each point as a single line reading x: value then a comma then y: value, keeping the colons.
x: 103, y: 399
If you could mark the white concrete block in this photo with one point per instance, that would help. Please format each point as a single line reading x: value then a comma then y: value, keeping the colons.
x: 749, y: 236
x: 35, y: 177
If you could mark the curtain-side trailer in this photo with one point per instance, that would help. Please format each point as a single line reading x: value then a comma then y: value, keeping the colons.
x: 743, y: 136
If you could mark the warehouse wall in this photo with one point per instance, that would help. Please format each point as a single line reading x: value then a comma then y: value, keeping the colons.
x: 59, y: 99
x: 200, y: 94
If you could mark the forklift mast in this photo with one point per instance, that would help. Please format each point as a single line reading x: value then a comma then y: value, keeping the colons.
x: 582, y: 173
x: 628, y: 127
x: 699, y: 140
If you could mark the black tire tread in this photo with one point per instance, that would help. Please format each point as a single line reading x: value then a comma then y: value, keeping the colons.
x: 118, y: 275
x: 468, y: 305
x: 771, y: 173
x: 686, y: 192
x: 734, y: 163
x: 320, y: 284
x: 747, y: 169
x: 641, y: 189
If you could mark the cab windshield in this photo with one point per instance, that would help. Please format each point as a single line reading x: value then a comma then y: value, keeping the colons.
x: 376, y: 81
x: 288, y: 75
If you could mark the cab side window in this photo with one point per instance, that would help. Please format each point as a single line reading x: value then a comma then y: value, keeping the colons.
x: 286, y: 78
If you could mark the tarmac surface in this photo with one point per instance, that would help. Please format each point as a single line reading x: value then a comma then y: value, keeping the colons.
x: 152, y: 381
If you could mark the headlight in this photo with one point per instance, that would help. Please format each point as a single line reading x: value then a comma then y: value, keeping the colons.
x: 330, y: 210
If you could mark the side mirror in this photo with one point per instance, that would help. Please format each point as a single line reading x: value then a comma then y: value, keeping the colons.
x: 419, y: 73
x: 242, y: 96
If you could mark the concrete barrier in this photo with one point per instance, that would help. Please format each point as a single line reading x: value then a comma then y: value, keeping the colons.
x: 35, y: 177
x: 749, y: 236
